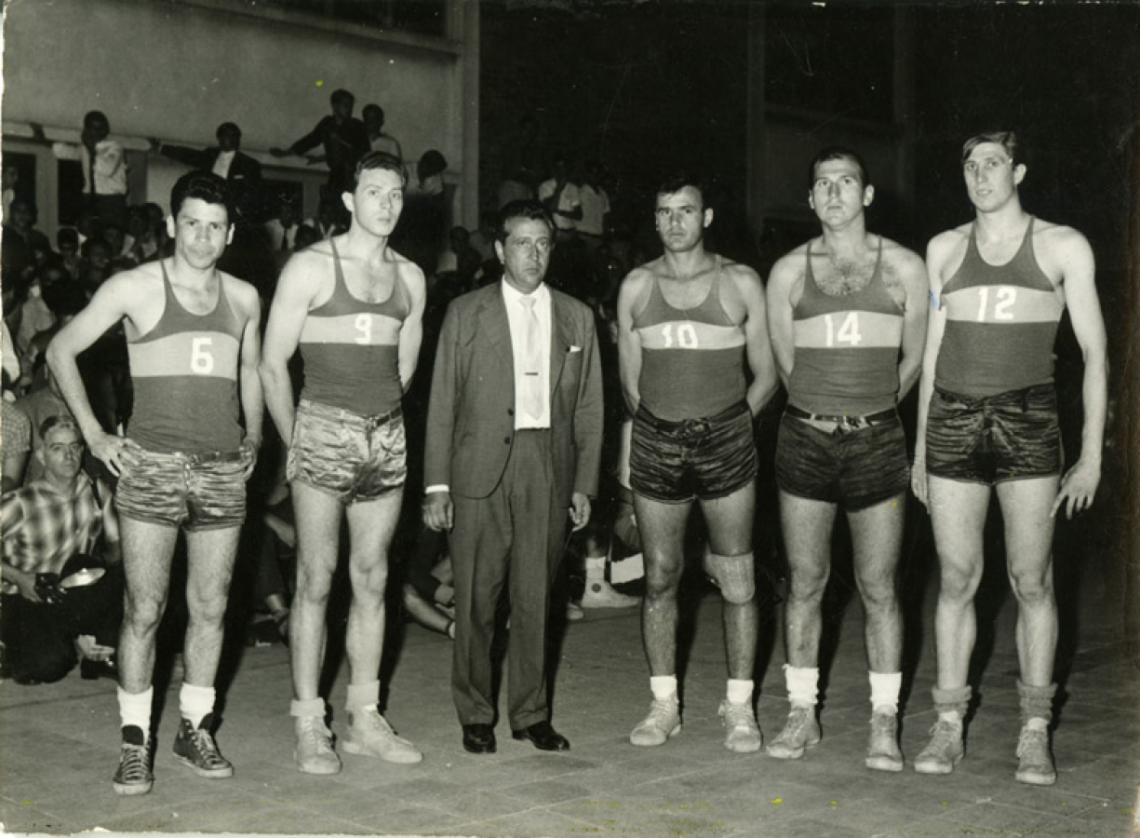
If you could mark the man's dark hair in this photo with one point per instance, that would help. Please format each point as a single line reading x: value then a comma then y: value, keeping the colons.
x: 379, y: 160
x: 1006, y: 139
x: 95, y: 116
x: 228, y: 127
x: 839, y: 152
x: 341, y: 95
x: 58, y: 420
x: 527, y: 209
x: 67, y: 235
x: 678, y: 181
x: 203, y: 185
x: 373, y: 108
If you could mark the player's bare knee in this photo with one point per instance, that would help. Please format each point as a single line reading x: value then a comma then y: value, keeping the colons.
x: 1032, y: 586
x: 806, y: 586
x: 143, y: 614
x: 734, y: 575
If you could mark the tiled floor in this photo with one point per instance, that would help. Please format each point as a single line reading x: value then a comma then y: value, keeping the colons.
x: 58, y: 748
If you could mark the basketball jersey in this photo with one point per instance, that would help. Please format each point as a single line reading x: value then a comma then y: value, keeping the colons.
x: 185, y: 377
x: 692, y: 360
x: 846, y: 347
x: 351, y: 349
x: 1001, y: 323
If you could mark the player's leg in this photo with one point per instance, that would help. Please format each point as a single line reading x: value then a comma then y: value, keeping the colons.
x: 1025, y: 506
x: 958, y: 514
x: 371, y: 525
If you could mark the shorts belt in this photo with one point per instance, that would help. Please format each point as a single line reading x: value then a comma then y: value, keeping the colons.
x: 358, y: 419
x: 844, y: 423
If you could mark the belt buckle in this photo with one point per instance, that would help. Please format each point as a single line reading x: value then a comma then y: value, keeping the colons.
x: 849, y: 424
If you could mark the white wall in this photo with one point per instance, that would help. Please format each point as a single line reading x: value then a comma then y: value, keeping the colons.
x: 175, y: 70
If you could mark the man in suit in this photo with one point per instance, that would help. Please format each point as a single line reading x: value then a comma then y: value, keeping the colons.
x: 226, y: 160
x: 514, y: 439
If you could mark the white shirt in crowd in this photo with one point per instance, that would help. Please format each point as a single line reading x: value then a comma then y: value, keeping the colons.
x: 110, y: 165
x: 568, y: 201
x: 223, y: 162
x: 595, y: 204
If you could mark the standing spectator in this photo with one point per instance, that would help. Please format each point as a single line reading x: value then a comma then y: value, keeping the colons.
x: 378, y: 138
x: 104, y: 166
x: 343, y: 137
x: 226, y: 160
x: 560, y: 195
x: 50, y: 522
x: 595, y: 203
x: 20, y: 221
x: 518, y: 185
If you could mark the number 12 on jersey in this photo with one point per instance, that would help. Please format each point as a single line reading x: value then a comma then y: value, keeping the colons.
x: 848, y: 334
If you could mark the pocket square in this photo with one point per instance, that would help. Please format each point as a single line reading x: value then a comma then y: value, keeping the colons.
x: 574, y: 349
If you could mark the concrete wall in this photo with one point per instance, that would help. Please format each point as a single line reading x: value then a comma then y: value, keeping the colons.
x: 175, y: 70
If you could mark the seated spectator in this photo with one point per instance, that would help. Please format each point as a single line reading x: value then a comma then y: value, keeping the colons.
x: 378, y: 140
x: 595, y: 204
x: 9, y: 183
x: 282, y: 229
x: 344, y: 138
x: 115, y: 238
x: 560, y: 195
x: 332, y: 217
x: 104, y: 166
x: 140, y: 244
x: 67, y: 241
x: 51, y: 529
x: 35, y: 317
x: 306, y: 236
x: 427, y: 593
x: 20, y: 222
x: 38, y: 406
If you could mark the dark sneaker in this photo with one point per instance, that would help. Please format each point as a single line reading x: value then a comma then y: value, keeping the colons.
x: 134, y: 775
x: 197, y: 749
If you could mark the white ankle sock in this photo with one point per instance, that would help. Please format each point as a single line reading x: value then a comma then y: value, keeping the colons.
x: 1037, y: 723
x: 803, y: 684
x: 664, y: 687
x: 134, y: 709
x: 361, y: 696
x: 885, y: 688
x: 195, y: 702
x: 739, y: 691
x: 304, y: 708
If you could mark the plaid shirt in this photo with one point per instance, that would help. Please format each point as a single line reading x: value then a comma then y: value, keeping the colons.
x: 43, y: 526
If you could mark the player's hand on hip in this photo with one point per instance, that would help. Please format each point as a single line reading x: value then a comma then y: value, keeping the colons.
x: 1078, y: 488
x: 439, y: 512
x: 579, y: 510
x: 109, y: 449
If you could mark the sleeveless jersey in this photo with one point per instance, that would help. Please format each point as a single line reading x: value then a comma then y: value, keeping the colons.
x: 1001, y: 323
x: 846, y: 347
x: 350, y: 349
x: 692, y: 360
x: 185, y: 377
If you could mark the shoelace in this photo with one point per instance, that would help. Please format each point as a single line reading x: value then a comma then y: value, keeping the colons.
x: 1031, y: 739
x: 133, y: 763
x: 796, y: 725
x: 207, y: 749
x: 660, y: 713
x: 736, y: 716
x: 320, y: 737
x: 945, y: 735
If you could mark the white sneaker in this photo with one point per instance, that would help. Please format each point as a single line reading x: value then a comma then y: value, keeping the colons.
x: 801, y: 731
x: 601, y: 594
x: 744, y: 735
x: 662, y: 723
x: 314, y: 752
x: 883, y: 752
x: 371, y: 735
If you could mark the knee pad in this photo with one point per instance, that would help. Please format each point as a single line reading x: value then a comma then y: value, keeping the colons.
x: 735, y: 575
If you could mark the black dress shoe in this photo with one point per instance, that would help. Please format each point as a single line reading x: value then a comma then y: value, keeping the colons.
x: 543, y: 736
x: 479, y: 739
x: 90, y: 670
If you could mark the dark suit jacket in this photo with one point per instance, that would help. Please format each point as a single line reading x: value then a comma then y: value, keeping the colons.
x: 470, y: 427
x: 241, y: 167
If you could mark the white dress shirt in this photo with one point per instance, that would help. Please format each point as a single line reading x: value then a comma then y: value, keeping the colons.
x: 223, y: 162
x: 539, y: 367
x: 110, y: 173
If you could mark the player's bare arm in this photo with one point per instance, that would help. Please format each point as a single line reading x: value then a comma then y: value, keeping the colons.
x: 631, y: 295
x: 297, y: 293
x: 785, y: 281
x: 249, y: 380
x: 945, y: 250
x: 124, y: 295
x: 412, y: 330
x: 905, y: 272
x: 1066, y: 254
x: 758, y: 348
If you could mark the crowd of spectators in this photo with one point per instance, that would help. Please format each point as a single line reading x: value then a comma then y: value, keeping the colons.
x: 60, y: 547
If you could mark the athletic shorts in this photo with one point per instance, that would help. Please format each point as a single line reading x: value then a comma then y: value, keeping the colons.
x: 853, y: 468
x: 988, y: 439
x: 706, y: 458
x: 204, y: 491
x: 354, y: 457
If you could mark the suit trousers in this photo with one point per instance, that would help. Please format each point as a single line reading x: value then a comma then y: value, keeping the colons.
x: 512, y: 537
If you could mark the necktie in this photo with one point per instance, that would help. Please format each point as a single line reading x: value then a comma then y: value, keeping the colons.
x: 91, y: 172
x: 532, y: 381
